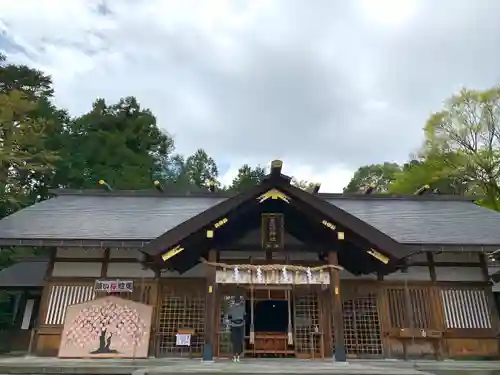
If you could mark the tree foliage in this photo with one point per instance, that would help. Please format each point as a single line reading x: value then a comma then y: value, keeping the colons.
x: 432, y: 171
x: 466, y: 136
x: 460, y: 154
x: 303, y: 184
x: 201, y: 169
x: 23, y: 156
x: 379, y: 176
x: 118, y: 143
x: 247, y: 177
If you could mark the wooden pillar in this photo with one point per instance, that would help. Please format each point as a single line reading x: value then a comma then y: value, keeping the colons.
x: 490, y: 298
x: 211, y: 309
x: 436, y: 306
x: 43, y: 305
x: 155, y: 300
x: 338, y: 317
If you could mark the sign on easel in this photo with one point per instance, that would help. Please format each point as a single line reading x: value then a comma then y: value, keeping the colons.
x: 183, y: 339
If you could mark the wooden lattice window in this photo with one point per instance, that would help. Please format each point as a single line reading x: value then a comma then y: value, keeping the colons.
x: 410, y: 307
x: 465, y: 308
x: 181, y: 312
x: 306, y: 324
x: 362, y: 326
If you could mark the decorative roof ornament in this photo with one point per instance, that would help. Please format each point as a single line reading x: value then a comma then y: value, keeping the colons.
x: 171, y: 253
x: 273, y: 194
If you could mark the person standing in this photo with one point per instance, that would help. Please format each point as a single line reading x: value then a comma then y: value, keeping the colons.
x: 237, y: 323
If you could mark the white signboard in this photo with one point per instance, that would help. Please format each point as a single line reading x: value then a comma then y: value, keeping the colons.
x: 114, y: 286
x: 183, y: 339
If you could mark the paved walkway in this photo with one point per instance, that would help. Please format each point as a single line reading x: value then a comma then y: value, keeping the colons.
x: 38, y: 365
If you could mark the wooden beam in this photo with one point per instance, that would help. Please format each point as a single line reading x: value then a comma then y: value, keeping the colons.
x: 483, y: 263
x: 432, y: 266
x: 258, y: 247
x: 211, y: 309
x: 156, y: 299
x: 105, y: 262
x: 338, y: 317
x: 495, y: 319
x: 272, y: 261
x: 44, y: 299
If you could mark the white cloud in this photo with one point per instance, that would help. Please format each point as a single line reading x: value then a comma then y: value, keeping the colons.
x: 325, y: 87
x: 332, y: 180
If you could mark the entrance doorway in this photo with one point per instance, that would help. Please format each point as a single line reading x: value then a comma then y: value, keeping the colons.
x: 269, y: 316
x: 271, y: 312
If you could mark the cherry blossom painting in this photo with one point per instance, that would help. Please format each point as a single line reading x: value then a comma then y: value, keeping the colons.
x: 106, y: 327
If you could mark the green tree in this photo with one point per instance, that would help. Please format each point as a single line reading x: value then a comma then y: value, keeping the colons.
x: 380, y: 176
x: 23, y: 156
x: 465, y: 134
x: 34, y: 89
x: 173, y: 174
x: 433, y: 171
x: 247, y: 178
x: 302, y: 184
x: 201, y: 169
x: 118, y: 143
x: 33, y: 83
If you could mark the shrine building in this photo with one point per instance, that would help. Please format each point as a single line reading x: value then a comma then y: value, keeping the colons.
x: 322, y: 275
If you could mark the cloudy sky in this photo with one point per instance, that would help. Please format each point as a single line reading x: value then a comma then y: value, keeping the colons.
x: 324, y: 85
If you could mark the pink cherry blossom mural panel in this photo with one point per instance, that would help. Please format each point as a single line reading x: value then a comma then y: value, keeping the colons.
x: 109, y: 327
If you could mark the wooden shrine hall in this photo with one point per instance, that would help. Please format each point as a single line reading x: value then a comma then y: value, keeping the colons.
x: 149, y: 273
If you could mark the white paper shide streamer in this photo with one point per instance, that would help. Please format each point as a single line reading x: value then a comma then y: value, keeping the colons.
x: 309, y: 275
x: 284, y: 274
x: 236, y: 274
x: 260, y: 277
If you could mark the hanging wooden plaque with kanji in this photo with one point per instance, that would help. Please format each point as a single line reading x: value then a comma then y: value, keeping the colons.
x: 272, y: 231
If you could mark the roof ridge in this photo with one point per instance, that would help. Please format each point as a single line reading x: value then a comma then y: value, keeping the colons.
x: 227, y: 194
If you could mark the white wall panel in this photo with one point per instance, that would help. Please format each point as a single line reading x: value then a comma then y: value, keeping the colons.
x: 200, y: 270
x: 457, y: 257
x: 413, y: 274
x: 80, y: 252
x: 76, y: 269
x: 131, y: 270
x: 346, y: 275
x: 420, y: 257
x: 124, y: 253
x: 459, y: 274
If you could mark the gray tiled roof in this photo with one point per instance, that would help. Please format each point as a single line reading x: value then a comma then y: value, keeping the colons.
x: 28, y: 273
x: 433, y: 222
x: 116, y: 217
